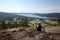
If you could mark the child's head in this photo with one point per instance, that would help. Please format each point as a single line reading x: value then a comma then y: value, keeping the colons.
x: 43, y: 25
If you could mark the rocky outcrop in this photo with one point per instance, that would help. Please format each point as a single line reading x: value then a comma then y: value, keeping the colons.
x: 27, y: 34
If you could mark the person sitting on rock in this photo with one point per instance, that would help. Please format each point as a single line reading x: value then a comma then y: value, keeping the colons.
x: 39, y: 27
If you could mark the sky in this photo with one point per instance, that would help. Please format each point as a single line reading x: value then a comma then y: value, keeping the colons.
x: 30, y: 6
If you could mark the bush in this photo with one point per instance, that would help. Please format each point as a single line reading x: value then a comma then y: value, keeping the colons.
x: 24, y: 22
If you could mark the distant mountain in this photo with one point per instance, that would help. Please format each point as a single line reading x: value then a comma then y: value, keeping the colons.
x: 50, y: 15
x: 9, y: 16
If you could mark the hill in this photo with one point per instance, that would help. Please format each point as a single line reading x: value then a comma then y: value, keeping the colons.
x: 50, y: 15
x: 9, y: 16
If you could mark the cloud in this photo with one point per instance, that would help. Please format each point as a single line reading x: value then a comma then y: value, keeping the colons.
x: 31, y: 10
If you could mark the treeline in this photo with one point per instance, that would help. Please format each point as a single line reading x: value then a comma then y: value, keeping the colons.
x: 14, y: 23
x: 26, y: 22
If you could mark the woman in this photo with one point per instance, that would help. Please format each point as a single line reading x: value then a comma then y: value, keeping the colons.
x: 39, y: 27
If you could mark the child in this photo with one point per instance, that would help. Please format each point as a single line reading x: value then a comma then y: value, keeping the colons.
x: 43, y: 28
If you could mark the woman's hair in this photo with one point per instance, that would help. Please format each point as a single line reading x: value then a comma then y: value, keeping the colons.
x: 39, y: 24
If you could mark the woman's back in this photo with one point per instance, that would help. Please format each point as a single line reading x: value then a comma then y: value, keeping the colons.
x: 39, y: 27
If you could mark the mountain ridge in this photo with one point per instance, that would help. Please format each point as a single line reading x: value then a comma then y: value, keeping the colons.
x: 9, y: 16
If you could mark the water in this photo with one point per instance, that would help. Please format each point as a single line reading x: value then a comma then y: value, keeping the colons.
x: 31, y: 15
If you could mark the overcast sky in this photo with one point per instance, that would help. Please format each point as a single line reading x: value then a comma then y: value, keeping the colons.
x: 30, y: 6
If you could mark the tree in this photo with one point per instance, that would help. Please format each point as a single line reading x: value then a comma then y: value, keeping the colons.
x: 58, y: 22
x: 24, y: 22
x: 15, y: 22
x: 3, y: 25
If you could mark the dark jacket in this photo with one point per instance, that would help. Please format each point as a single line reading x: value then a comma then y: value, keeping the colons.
x: 39, y: 27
